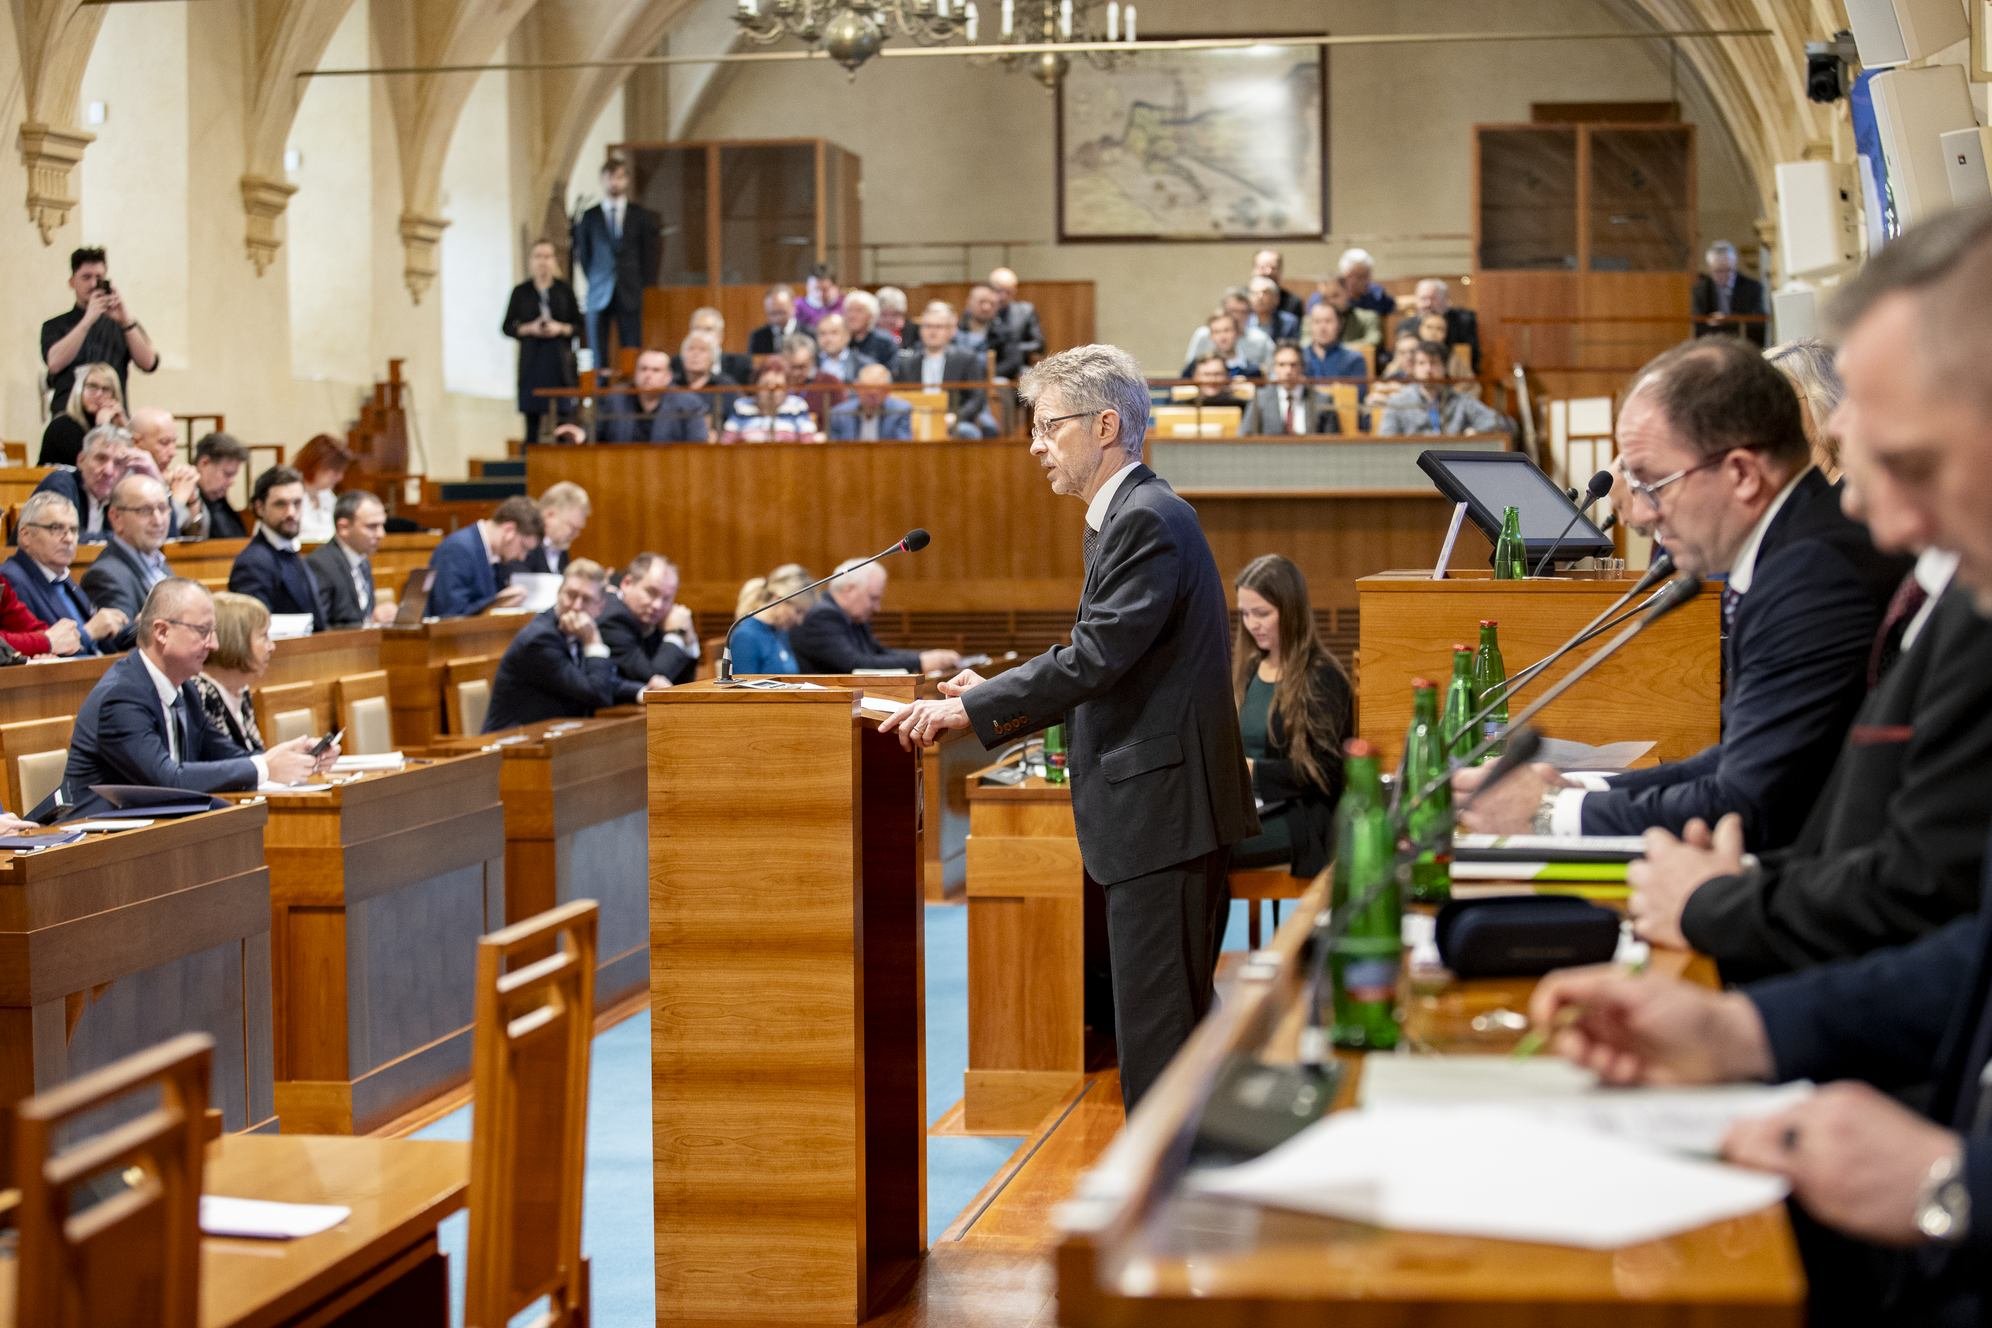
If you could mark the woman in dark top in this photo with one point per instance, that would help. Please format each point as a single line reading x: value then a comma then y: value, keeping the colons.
x: 541, y: 318
x: 95, y: 399
x: 1294, y: 710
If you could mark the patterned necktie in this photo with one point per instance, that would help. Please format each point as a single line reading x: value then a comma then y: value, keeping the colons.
x: 175, y: 738
x: 1092, y: 541
x: 1292, y: 415
x: 363, y: 585
x: 1907, y: 601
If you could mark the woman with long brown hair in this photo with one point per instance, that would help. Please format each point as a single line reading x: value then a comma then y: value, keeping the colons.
x: 1294, y: 710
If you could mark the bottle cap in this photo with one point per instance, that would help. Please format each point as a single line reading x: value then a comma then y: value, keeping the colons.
x: 1423, y: 685
x: 1459, y: 649
x: 1357, y: 749
x: 1489, y: 622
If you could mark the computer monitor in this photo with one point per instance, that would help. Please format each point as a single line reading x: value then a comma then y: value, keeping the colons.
x: 1491, y: 482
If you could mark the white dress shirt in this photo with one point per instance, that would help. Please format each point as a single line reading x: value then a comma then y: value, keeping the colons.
x: 1096, y: 511
x: 169, y: 701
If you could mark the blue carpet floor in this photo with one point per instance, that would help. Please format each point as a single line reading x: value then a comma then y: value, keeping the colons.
x: 616, y: 1227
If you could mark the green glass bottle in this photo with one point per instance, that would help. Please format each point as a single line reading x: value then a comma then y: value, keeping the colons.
x: 1489, y: 672
x: 1364, y: 961
x: 1511, y: 556
x: 1054, y: 754
x: 1461, y: 702
x: 1426, y: 763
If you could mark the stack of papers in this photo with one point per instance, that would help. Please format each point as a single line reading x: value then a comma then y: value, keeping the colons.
x: 350, y: 765
x: 541, y: 588
x: 264, y: 1219
x: 1544, y: 857
x: 1567, y: 755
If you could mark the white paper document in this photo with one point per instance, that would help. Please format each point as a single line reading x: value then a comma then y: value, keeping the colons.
x: 1631, y: 846
x: 541, y: 588
x: 880, y: 705
x: 262, y: 1219
x: 289, y: 626
x: 347, y: 765
x: 1493, y: 1171
x: 113, y: 823
x: 1567, y: 755
x: 271, y: 786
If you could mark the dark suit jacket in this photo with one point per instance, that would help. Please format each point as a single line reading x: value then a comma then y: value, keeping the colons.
x: 46, y: 600
x: 224, y: 522
x: 1746, y: 298
x: 279, y: 578
x: 680, y: 417
x: 69, y: 483
x: 540, y: 560
x: 338, y: 600
x: 1023, y: 338
x: 1796, y: 671
x: 639, y: 654
x: 120, y: 738
x: 827, y: 641
x: 1310, y: 807
x: 117, y: 581
x: 732, y: 365
x: 1893, y: 848
x: 1263, y: 417
x: 765, y: 340
x: 466, y: 582
x: 629, y: 266
x: 539, y: 678
x: 883, y: 347
x: 1158, y: 768
x: 962, y: 366
x: 1917, y: 1014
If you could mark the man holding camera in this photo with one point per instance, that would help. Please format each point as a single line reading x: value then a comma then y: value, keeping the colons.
x: 98, y: 330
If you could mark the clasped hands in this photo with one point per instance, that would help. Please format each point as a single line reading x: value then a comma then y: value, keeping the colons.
x: 923, y: 722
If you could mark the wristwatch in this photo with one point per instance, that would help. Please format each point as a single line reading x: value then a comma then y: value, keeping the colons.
x: 1543, y: 821
x: 1943, y: 1205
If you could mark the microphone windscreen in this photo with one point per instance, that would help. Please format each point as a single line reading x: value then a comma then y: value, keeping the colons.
x: 1600, y: 485
x: 1676, y: 593
x: 915, y: 541
x: 1657, y: 571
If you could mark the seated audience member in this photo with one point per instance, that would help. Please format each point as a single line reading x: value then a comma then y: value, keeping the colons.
x: 1462, y: 325
x: 39, y: 574
x: 557, y: 666
x: 88, y: 487
x: 1270, y: 264
x: 892, y: 314
x: 836, y: 357
x: 779, y: 307
x: 1288, y: 405
x: 1360, y: 327
x: 652, y: 414
x: 649, y: 634
x: 936, y: 360
x: 239, y: 661
x: 824, y: 295
x: 1808, y: 363
x: 467, y: 562
x: 270, y: 568
x: 1357, y: 271
x: 95, y: 399
x: 322, y: 463
x: 773, y: 414
x: 1215, y: 385
x: 835, y: 635
x: 1294, y: 710
x: 31, y: 636
x: 218, y: 459
x: 343, y: 565
x: 1324, y: 354
x: 1247, y: 347
x: 873, y: 414
x: 1716, y: 456
x: 867, y: 338
x: 761, y: 643
x: 980, y: 332
x: 1432, y: 328
x: 1430, y: 404
x: 97, y: 329
x: 157, y: 434
x: 1722, y: 292
x: 695, y: 371
x: 131, y: 564
x: 1222, y: 342
x: 818, y: 390
x: 730, y: 366
x: 1396, y: 379
x: 143, y: 723
x: 564, y: 511
x: 1266, y: 315
x: 1023, y: 338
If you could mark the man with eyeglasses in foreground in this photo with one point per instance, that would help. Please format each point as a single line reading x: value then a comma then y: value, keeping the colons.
x: 1715, y: 457
x: 142, y: 723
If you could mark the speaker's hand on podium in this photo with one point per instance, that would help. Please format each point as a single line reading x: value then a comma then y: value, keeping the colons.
x: 923, y: 722
x: 961, y: 682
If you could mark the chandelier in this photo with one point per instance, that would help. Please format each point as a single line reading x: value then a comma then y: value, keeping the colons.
x: 853, y: 31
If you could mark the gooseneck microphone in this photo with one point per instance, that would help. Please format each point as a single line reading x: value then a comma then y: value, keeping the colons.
x: 912, y: 542
x: 1600, y: 485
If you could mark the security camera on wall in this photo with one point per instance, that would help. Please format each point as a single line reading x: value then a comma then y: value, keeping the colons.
x: 1894, y: 32
x: 1913, y: 110
x: 1819, y: 219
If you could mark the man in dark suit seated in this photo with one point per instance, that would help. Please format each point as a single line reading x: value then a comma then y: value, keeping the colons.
x: 142, y: 723
x: 835, y: 636
x: 1267, y: 315
x: 131, y: 563
x: 1462, y: 326
x: 1160, y: 789
x: 88, y: 486
x: 467, y: 562
x: 1023, y: 336
x: 779, y: 307
x: 1716, y: 459
x: 649, y: 634
x: 270, y: 568
x: 938, y: 360
x: 836, y: 357
x: 343, y: 565
x: 39, y: 574
x: 218, y: 459
x: 654, y: 414
x: 730, y: 364
x: 557, y: 666
x: 1722, y: 292
x: 873, y: 414
x: 564, y: 510
x: 1288, y: 405
x: 867, y: 337
x: 1271, y: 264
x: 981, y: 331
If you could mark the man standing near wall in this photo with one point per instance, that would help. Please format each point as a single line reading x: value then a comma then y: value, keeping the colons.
x: 618, y: 245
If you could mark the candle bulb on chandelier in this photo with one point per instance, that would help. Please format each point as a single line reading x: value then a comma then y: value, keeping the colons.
x: 1065, y: 19
x: 1008, y: 14
x: 973, y: 20
x: 941, y: 6
x: 1113, y: 20
x: 1129, y: 26
x: 749, y: 8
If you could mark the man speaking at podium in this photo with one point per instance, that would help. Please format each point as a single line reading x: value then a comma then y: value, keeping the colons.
x: 1159, y: 785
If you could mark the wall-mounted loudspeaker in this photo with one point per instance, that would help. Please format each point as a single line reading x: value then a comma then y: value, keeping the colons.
x: 1893, y: 32
x: 1819, y: 224
x: 1913, y: 110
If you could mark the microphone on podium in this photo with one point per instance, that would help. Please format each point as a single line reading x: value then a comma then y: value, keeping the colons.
x: 912, y: 542
x: 1600, y: 485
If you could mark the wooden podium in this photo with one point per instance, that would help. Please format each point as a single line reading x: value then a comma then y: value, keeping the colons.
x: 787, y: 1053
x: 1665, y: 687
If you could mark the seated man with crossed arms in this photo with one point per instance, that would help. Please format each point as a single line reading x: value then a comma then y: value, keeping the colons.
x: 557, y: 667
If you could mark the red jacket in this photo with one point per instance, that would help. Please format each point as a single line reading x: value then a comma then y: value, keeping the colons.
x: 19, y: 627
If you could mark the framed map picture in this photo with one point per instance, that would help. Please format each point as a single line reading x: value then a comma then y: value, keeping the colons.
x: 1195, y: 145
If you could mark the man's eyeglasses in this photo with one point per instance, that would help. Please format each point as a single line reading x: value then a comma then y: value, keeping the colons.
x: 54, y: 528
x: 205, y: 631
x: 1041, y: 431
x: 1650, y: 493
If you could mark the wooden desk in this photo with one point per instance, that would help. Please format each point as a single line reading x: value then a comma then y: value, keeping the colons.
x: 576, y: 827
x: 1664, y: 687
x: 414, y: 658
x: 382, y: 1261
x: 120, y: 941
x: 210, y: 561
x: 379, y: 889
x: 787, y: 1043
x: 1135, y: 1249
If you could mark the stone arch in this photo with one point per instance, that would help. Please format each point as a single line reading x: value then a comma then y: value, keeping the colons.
x: 286, y: 37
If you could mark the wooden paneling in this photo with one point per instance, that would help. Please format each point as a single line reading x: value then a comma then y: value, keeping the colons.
x: 417, y: 658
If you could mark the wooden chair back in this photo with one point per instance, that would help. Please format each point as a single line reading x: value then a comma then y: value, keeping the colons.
x: 930, y: 414
x: 529, y: 1125
x: 361, y: 703
x: 131, y: 1260
x: 467, y: 692
x: 30, y: 750
x: 1348, y: 406
x: 286, y: 709
x: 1368, y: 352
x: 1194, y: 422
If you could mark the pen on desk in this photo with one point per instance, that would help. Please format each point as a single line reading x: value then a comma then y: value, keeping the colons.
x: 1533, y: 1041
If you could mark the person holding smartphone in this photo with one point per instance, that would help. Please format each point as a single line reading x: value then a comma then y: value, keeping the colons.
x: 98, y: 330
